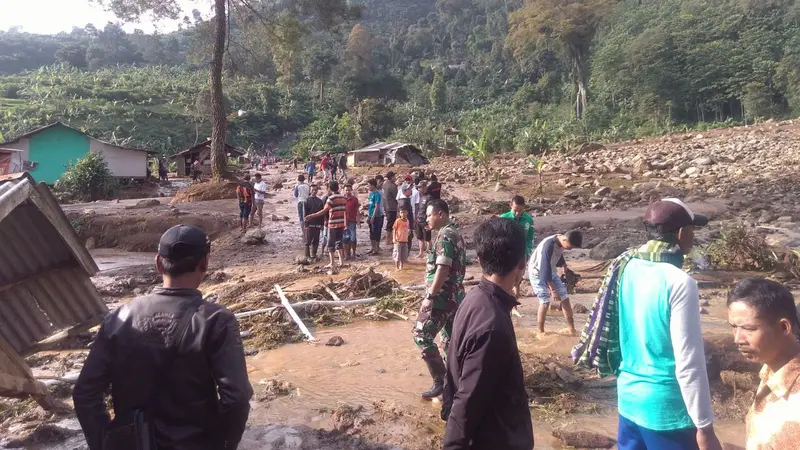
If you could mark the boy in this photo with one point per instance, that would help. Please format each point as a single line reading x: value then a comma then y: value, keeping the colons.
x: 351, y: 215
x: 244, y: 193
x: 335, y: 207
x: 260, y: 189
x: 310, y: 167
x: 400, y: 232
x: 313, y: 226
x: 375, y: 217
x: 300, y: 192
x: 549, y: 255
x: 518, y: 214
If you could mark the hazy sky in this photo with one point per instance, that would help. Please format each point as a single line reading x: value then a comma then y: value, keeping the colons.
x: 53, y: 16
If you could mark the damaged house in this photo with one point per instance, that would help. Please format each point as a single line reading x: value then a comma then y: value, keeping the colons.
x: 383, y: 153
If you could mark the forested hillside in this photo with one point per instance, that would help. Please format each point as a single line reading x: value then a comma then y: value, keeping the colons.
x: 534, y: 75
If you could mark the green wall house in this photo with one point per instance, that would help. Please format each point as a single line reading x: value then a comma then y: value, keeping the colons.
x: 47, y: 151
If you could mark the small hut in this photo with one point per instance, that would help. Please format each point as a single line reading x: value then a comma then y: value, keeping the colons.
x: 201, y: 152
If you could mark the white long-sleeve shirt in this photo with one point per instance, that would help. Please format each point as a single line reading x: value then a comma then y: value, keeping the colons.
x: 301, y: 192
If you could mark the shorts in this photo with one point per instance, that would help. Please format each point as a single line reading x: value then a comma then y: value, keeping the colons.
x: 375, y: 228
x: 350, y: 233
x: 421, y: 231
x: 391, y: 216
x: 244, y: 210
x: 400, y: 252
x: 335, y: 237
x: 542, y: 291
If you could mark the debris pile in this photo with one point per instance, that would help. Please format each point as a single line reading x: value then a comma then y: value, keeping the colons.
x: 734, y: 380
x: 205, y: 191
x: 366, y: 283
x: 268, y: 390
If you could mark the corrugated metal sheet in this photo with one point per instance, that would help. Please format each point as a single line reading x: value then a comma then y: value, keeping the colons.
x: 45, y: 272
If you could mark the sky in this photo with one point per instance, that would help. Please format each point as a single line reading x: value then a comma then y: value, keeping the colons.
x: 54, y: 16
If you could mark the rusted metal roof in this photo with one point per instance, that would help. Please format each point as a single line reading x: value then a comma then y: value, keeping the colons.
x: 199, y: 147
x: 45, y: 270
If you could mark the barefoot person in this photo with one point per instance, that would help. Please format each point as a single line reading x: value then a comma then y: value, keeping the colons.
x: 518, y: 214
x: 445, y: 290
x: 420, y: 225
x: 400, y: 233
x: 542, y: 269
x: 260, y: 189
x: 375, y: 216
x: 485, y: 404
x: 656, y: 348
x: 245, y: 193
x: 335, y: 207
x: 351, y: 216
x: 313, y: 225
x: 765, y: 327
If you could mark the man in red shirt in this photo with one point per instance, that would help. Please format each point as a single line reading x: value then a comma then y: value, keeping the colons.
x: 351, y: 216
x: 335, y: 207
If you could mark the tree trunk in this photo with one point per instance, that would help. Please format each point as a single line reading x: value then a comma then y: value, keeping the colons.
x: 219, y: 123
x: 579, y: 67
x: 321, y: 90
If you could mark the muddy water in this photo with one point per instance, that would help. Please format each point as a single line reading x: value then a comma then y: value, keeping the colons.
x: 109, y: 258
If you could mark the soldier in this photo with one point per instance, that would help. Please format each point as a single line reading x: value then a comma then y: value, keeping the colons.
x: 445, y: 290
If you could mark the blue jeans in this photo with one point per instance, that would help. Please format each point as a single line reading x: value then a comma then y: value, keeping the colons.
x: 350, y: 233
x: 633, y: 437
x: 542, y: 291
x: 301, y: 214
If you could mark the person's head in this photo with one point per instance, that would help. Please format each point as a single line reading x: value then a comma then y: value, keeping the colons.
x: 403, y: 214
x: 764, y: 319
x: 348, y: 190
x: 314, y: 190
x: 408, y: 179
x: 438, y: 214
x: 390, y: 175
x: 183, y: 256
x: 333, y: 187
x: 258, y: 177
x: 301, y: 178
x: 406, y: 189
x: 373, y: 184
x: 517, y: 205
x: 433, y: 179
x: 571, y: 239
x: 671, y: 221
x: 500, y: 245
x: 247, y: 178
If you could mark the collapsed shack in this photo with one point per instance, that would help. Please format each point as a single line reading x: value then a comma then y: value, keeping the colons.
x: 46, y: 294
x: 266, y: 323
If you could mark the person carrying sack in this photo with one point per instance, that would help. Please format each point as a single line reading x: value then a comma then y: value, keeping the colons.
x: 174, y: 362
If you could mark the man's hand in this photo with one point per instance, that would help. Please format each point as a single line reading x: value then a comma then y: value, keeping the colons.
x: 427, y: 305
x: 707, y: 440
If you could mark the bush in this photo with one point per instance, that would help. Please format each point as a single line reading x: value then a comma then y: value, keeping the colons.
x: 536, y: 139
x: 88, y: 179
x: 739, y: 248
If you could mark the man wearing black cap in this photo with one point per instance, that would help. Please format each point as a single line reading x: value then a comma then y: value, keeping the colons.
x: 657, y: 350
x: 169, y: 357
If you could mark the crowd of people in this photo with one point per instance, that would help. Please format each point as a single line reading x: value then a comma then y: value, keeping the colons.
x: 185, y: 354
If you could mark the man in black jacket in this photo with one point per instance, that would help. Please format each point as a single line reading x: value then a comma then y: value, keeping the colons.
x: 485, y: 404
x: 202, y: 401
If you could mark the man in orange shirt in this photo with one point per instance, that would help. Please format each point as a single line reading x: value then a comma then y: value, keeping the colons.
x: 401, y: 231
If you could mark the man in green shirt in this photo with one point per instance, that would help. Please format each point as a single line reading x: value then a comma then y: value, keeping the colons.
x: 526, y: 220
x: 444, y: 278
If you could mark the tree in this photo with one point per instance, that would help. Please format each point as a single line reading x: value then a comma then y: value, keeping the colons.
x: 72, y: 54
x: 360, y: 44
x: 438, y: 92
x: 570, y: 25
x: 319, y: 65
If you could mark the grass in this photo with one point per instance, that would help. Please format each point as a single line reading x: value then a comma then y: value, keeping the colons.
x: 740, y: 248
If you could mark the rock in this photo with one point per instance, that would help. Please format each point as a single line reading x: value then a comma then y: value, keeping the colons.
x: 581, y: 224
x: 583, y: 439
x: 603, y: 191
x: 571, y: 194
x: 703, y: 311
x: 254, y: 236
x: 767, y: 217
x: 577, y: 308
x: 498, y: 186
x: 691, y: 170
x: 301, y: 260
x: 704, y: 161
x: 610, y: 248
x: 147, y: 203
x: 275, y: 218
x: 335, y: 341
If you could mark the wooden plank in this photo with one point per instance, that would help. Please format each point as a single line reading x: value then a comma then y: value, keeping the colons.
x: 13, y: 386
x: 331, y: 292
x: 295, y: 317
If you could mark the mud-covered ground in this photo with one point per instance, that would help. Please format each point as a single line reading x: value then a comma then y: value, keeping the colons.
x: 363, y: 394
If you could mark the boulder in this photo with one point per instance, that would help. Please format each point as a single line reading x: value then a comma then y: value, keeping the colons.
x: 335, y: 341
x: 691, y: 170
x: 704, y: 161
x: 603, y: 191
x: 147, y: 203
x: 610, y: 248
x: 254, y: 236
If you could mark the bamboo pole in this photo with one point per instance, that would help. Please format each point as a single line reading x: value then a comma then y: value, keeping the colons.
x: 295, y: 317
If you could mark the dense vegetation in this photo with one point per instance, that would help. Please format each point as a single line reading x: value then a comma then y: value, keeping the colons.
x: 511, y: 74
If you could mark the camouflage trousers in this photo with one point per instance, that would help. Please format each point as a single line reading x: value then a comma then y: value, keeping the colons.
x: 428, y: 324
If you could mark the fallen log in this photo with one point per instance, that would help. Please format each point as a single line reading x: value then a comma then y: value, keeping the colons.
x: 396, y: 314
x: 293, y: 314
x: 331, y: 292
x: 255, y: 312
x: 740, y: 380
x: 362, y: 301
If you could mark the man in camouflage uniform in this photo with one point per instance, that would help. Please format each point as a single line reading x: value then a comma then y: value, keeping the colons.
x: 445, y: 290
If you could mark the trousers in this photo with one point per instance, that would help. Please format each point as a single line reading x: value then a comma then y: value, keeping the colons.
x: 633, y: 437
x: 428, y: 324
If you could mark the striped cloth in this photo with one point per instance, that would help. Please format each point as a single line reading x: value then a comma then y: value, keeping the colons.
x: 599, y: 343
x: 338, y: 206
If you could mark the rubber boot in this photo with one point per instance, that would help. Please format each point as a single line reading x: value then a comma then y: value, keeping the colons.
x: 308, y: 253
x: 314, y: 252
x: 438, y: 371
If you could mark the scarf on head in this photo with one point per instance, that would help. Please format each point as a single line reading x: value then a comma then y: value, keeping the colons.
x: 599, y: 345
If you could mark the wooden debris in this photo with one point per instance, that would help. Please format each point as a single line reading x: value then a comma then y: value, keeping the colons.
x: 565, y: 375
x: 740, y: 380
x: 293, y: 314
x: 362, y: 301
x: 255, y: 312
x: 396, y: 314
x: 331, y: 292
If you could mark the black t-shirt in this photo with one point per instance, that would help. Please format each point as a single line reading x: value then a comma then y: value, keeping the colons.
x: 434, y: 191
x: 315, y: 204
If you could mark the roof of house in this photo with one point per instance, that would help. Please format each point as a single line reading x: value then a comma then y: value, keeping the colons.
x: 46, y: 127
x: 9, y: 150
x: 382, y: 146
x: 45, y: 269
x: 207, y: 143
